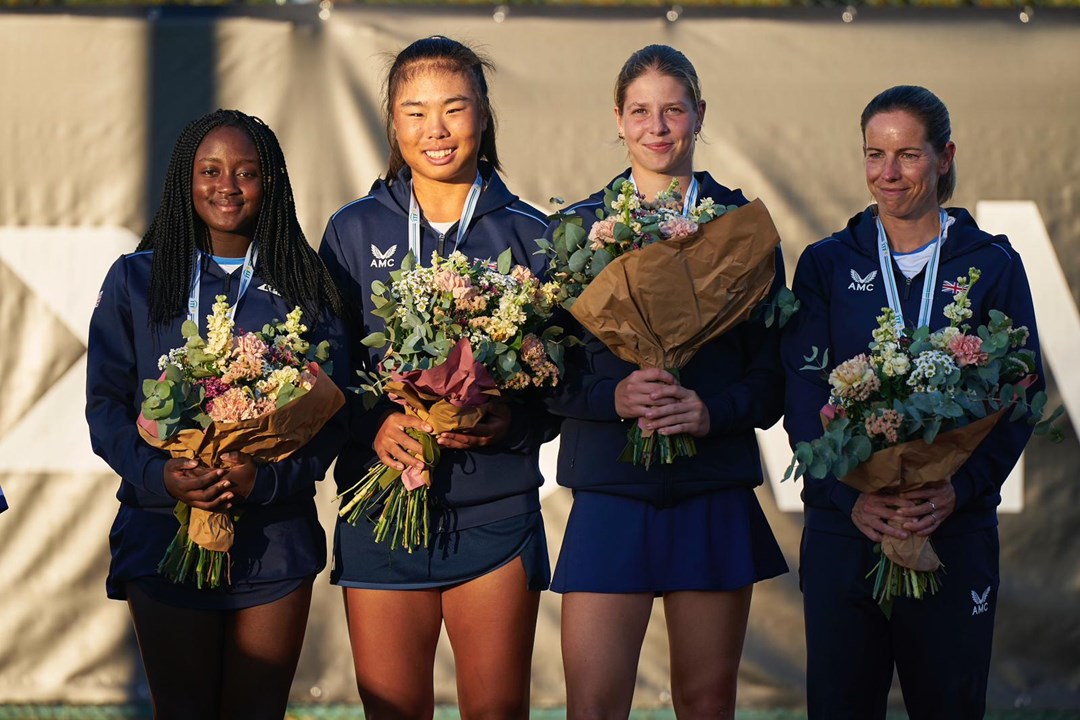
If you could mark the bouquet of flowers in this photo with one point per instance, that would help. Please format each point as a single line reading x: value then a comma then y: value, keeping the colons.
x: 460, y: 334
x: 620, y: 278
x: 911, y: 411
x: 261, y: 393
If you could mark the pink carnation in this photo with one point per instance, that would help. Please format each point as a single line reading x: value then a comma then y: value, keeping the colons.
x: 449, y: 281
x: 967, y: 349
x: 602, y: 233
x: 678, y: 227
x: 523, y: 275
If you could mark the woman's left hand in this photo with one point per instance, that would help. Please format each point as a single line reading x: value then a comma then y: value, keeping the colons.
x: 684, y: 412
x: 489, y: 431
x: 933, y: 503
x: 240, y: 472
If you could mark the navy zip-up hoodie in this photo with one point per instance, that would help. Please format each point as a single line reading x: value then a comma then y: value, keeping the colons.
x: 839, y: 311
x: 279, y: 517
x: 365, y: 241
x: 738, y: 376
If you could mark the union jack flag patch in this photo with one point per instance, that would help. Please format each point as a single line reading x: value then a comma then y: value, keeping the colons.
x: 953, y: 287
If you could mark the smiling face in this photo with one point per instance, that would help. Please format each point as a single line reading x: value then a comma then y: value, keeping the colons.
x: 902, y: 167
x: 438, y: 121
x: 658, y: 120
x: 226, y: 188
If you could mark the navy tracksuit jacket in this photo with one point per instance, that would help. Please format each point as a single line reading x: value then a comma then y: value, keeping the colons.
x: 940, y: 645
x: 366, y: 240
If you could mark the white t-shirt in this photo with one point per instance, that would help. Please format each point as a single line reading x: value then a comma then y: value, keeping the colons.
x: 441, y: 227
x: 912, y: 263
x: 229, y: 264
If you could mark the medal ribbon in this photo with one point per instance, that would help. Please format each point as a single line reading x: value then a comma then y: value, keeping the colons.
x: 467, y: 211
x: 930, y: 282
x: 250, y: 257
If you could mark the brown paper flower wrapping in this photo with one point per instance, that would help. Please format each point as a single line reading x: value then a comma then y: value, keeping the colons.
x: 267, y: 438
x: 655, y: 307
x: 910, y: 466
x: 449, y: 397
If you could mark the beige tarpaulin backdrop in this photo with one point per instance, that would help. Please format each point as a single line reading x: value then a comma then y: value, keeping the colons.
x: 90, y: 106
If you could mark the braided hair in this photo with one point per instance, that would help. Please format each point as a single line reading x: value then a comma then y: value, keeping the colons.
x: 286, y: 260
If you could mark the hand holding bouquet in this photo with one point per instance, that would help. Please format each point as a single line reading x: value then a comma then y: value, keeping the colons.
x: 258, y: 393
x: 460, y: 333
x: 654, y: 286
x: 909, y: 414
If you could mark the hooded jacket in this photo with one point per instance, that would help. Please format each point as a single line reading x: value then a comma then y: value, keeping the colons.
x: 738, y: 376
x: 123, y: 350
x: 368, y: 239
x: 841, y: 293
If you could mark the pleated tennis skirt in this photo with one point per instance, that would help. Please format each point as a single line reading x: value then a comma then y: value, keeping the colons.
x: 713, y: 542
x: 450, y: 559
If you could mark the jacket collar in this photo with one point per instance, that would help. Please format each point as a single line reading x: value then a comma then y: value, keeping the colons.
x: 965, y: 236
x: 395, y: 195
x: 708, y: 187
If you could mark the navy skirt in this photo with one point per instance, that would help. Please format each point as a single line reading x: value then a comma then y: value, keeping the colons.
x: 713, y: 542
x: 237, y: 597
x: 277, y: 549
x: 451, y: 559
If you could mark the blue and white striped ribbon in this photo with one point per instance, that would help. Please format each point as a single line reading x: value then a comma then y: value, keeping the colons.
x: 889, y: 278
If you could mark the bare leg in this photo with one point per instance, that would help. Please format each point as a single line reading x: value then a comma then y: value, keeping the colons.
x: 394, y: 634
x: 262, y: 647
x: 491, y: 623
x: 601, y: 642
x: 706, y: 632
x: 181, y: 651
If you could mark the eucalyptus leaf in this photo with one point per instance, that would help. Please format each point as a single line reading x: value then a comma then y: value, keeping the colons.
x: 505, y: 261
x: 375, y: 340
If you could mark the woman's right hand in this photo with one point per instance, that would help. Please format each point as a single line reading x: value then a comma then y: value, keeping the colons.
x: 872, y: 512
x: 395, y: 447
x: 641, y: 390
x: 196, y: 485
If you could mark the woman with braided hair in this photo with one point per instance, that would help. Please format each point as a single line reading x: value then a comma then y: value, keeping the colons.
x: 226, y: 225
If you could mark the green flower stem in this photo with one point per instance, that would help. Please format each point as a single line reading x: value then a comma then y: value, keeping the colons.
x: 185, y: 561
x: 403, y: 515
x: 892, y: 581
x: 642, y: 450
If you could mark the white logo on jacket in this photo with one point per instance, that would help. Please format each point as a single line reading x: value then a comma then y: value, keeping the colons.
x: 266, y: 288
x: 863, y: 284
x: 982, y: 602
x: 383, y: 259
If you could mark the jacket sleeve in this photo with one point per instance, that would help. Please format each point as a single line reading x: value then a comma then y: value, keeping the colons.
x: 807, y: 390
x: 585, y: 393
x: 531, y: 425
x: 757, y: 399
x: 111, y: 385
x: 362, y: 424
x: 985, y: 471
